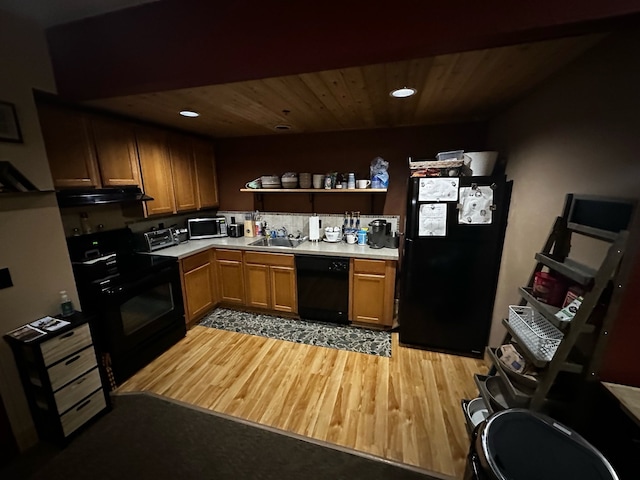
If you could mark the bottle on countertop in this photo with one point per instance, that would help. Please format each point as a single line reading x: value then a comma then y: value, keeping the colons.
x: 249, y: 228
x: 66, y: 306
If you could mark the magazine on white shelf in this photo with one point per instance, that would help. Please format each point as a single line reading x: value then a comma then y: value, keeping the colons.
x: 26, y: 333
x: 50, y: 324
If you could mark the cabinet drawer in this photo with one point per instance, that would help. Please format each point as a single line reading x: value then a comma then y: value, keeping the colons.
x: 72, y: 367
x: 234, y: 255
x: 77, y: 390
x: 65, y: 344
x: 83, y: 412
x: 195, y: 261
x: 277, y: 259
x: 369, y: 266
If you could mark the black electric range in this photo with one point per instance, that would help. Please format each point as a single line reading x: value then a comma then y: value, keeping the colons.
x: 136, y: 298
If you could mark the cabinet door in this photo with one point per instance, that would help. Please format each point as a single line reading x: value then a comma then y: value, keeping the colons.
x: 115, y: 143
x: 184, y: 172
x: 206, y: 173
x: 69, y: 147
x: 198, y: 289
x: 258, y: 291
x: 368, y: 298
x: 155, y: 167
x: 283, y: 289
x: 230, y: 276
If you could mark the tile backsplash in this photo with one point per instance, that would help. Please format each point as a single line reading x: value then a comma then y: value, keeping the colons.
x: 298, y: 223
x: 110, y: 217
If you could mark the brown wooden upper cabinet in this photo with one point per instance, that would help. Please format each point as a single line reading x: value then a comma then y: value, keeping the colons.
x: 184, y: 172
x: 206, y: 173
x: 70, y: 147
x: 115, y: 144
x: 178, y: 171
x: 91, y: 150
x: 155, y: 167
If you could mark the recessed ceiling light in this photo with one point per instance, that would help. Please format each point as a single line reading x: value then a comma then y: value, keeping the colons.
x: 403, y: 92
x: 283, y: 126
x: 189, y: 113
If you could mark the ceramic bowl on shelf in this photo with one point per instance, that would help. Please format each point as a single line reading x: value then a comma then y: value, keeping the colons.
x: 270, y: 181
x: 290, y: 180
x: 257, y: 183
x: 305, y: 180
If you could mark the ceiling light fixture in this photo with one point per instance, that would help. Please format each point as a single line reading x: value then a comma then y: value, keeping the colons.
x: 189, y: 113
x: 403, y: 92
x: 283, y: 126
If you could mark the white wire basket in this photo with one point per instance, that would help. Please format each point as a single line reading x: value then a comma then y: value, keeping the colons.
x: 535, y: 331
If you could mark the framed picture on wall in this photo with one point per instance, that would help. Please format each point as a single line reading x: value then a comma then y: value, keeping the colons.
x: 9, y: 126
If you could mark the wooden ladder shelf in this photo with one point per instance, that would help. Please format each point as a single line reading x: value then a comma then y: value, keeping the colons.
x: 583, y: 338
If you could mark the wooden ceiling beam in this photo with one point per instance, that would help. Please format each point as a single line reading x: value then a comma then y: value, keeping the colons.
x: 190, y: 43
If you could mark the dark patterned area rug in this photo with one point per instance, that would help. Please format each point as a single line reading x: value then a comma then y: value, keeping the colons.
x: 321, y: 334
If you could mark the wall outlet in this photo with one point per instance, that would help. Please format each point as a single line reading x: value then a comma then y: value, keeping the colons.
x: 5, y: 278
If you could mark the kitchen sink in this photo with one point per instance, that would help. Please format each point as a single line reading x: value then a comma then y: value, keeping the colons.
x: 278, y: 242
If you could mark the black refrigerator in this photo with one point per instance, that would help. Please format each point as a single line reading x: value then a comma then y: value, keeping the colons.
x: 453, y: 246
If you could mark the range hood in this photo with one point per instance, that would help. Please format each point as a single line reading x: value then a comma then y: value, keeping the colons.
x: 100, y: 196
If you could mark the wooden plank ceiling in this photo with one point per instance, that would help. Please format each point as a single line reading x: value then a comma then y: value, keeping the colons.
x: 466, y: 86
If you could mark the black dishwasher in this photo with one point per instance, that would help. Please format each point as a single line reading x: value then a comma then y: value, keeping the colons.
x: 323, y: 288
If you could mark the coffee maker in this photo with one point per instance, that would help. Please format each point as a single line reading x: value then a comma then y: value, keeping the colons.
x: 379, y: 231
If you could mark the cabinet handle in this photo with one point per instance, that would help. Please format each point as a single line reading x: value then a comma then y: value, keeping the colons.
x: 81, y: 381
x: 80, y: 407
x: 71, y: 360
x: 67, y: 335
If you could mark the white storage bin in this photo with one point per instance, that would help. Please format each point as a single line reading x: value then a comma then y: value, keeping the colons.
x: 535, y: 331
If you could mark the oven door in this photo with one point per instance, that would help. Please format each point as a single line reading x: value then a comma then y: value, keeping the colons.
x: 137, y: 313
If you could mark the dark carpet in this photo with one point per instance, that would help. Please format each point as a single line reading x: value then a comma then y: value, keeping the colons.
x: 148, y: 437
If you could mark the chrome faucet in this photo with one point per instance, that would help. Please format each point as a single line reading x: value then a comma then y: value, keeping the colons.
x: 281, y: 232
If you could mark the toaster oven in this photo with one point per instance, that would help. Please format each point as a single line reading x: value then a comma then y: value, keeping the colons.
x: 207, y: 227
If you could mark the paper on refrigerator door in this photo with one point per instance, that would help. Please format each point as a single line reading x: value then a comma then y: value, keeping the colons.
x: 432, y: 221
x: 475, y: 205
x: 438, y: 189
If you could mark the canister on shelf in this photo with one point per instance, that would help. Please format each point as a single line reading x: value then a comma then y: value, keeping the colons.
x: 351, y: 181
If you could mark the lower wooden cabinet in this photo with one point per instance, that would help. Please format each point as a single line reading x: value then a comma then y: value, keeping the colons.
x: 372, y: 291
x: 198, y: 285
x: 268, y: 281
x: 258, y: 281
x: 230, y: 276
x: 284, y: 296
x: 271, y: 281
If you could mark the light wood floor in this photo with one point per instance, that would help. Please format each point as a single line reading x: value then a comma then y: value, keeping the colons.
x: 405, y: 408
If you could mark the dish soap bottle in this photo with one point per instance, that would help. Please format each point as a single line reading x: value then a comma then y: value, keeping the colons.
x: 66, y: 306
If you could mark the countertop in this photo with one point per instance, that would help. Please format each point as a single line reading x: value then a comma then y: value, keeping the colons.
x: 629, y: 398
x: 340, y: 249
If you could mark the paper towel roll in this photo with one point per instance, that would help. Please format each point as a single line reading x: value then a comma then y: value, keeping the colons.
x: 314, y: 228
